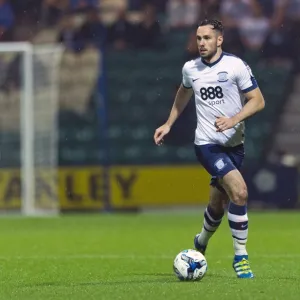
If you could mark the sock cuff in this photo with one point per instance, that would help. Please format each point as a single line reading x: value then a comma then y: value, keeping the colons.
x: 237, y: 209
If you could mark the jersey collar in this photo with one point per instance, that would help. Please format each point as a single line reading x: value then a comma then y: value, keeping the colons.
x: 214, y: 63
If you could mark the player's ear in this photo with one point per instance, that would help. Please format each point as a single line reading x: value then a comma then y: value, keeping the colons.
x: 220, y: 40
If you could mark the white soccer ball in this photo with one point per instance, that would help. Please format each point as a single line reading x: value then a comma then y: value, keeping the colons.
x: 190, y: 265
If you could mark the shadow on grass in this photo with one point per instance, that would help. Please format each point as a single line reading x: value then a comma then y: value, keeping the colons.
x: 95, y: 283
x: 161, y: 278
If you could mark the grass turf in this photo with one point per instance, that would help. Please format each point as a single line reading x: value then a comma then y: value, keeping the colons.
x: 131, y: 256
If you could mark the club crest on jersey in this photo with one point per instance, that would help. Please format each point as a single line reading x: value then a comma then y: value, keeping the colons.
x: 222, y: 76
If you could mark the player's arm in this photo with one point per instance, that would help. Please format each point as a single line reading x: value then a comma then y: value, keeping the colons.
x: 255, y: 103
x: 255, y: 100
x: 182, y: 98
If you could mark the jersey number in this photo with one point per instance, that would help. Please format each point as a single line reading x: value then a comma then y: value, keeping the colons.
x: 211, y: 93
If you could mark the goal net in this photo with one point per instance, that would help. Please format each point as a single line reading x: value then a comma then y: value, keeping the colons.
x: 29, y: 90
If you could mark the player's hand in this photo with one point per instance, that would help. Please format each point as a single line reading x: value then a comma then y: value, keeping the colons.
x: 160, y: 133
x: 224, y: 123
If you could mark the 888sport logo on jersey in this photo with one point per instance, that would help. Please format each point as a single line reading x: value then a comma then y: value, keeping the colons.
x: 213, y: 94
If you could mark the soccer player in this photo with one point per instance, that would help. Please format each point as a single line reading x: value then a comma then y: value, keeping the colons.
x: 226, y: 93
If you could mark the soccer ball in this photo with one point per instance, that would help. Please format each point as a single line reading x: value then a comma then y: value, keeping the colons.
x: 190, y: 265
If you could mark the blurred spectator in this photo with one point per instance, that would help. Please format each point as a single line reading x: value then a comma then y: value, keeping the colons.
x: 254, y: 28
x: 67, y: 33
x: 280, y: 13
x: 148, y: 32
x: 83, y: 4
x: 6, y: 20
x: 160, y: 5
x: 53, y: 10
x: 191, y: 51
x: 28, y: 11
x: 135, y: 4
x: 210, y: 9
x: 182, y: 13
x: 281, y: 44
x: 120, y: 34
x: 291, y: 8
x: 291, y: 11
x: 233, y: 11
x: 92, y: 31
x: 268, y: 7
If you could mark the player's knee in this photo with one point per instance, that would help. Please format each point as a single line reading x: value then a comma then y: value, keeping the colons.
x: 240, y: 196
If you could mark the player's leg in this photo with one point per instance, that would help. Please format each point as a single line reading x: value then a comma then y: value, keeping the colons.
x: 225, y: 163
x: 236, y: 189
x: 207, y: 155
x: 213, y: 215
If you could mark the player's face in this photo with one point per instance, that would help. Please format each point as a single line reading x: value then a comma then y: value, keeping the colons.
x: 208, y: 41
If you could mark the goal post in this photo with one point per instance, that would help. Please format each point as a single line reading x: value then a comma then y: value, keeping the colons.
x: 29, y: 88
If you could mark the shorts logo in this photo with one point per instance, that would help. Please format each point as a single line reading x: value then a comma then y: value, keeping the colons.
x: 220, y: 164
x: 222, y: 76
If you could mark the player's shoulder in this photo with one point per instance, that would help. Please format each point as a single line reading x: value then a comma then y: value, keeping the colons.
x: 233, y: 59
x: 192, y: 64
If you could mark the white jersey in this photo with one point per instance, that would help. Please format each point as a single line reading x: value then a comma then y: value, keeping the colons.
x: 218, y: 89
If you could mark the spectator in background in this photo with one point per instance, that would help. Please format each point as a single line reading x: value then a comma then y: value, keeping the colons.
x: 232, y: 12
x: 92, y: 31
x: 120, y: 34
x: 210, y: 9
x: 28, y: 11
x: 136, y: 5
x: 68, y: 35
x: 254, y: 28
x: 160, y: 5
x: 280, y: 47
x: 83, y: 4
x: 268, y: 7
x: 290, y: 20
x: 52, y: 11
x: 182, y: 13
x: 288, y: 10
x: 6, y: 20
x: 191, y: 51
x: 148, y: 32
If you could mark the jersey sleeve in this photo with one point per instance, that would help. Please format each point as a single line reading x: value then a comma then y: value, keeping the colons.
x: 186, y: 82
x: 244, y: 78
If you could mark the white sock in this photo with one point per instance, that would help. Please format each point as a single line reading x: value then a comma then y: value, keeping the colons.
x: 238, y: 223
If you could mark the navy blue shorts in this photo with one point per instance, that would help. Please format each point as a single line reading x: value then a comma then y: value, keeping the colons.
x: 219, y: 160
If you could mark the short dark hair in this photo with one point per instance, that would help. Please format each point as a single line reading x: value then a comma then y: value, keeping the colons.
x: 216, y: 24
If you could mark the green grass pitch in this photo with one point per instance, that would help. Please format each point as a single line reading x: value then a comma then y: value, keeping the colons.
x: 131, y: 256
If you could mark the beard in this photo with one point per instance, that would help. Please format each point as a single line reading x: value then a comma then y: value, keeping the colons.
x: 208, y: 54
